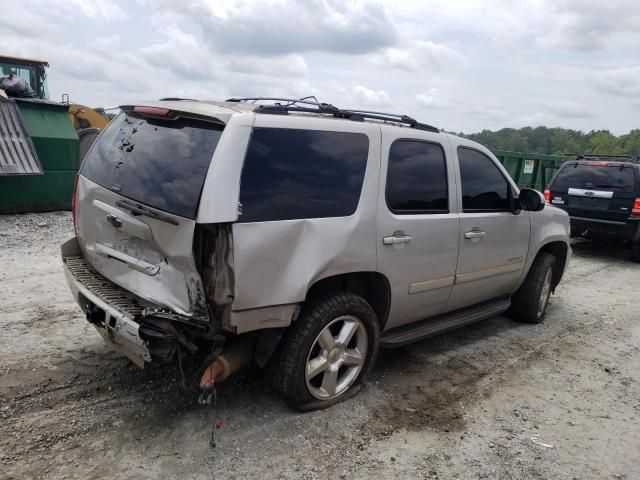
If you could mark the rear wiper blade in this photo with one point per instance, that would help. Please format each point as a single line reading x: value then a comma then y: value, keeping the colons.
x: 137, y: 209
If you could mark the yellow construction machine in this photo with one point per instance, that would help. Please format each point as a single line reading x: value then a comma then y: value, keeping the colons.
x: 42, y: 142
x: 87, y: 122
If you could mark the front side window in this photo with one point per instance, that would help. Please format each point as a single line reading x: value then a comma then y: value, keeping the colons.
x: 293, y: 174
x: 484, y: 188
x: 416, y: 178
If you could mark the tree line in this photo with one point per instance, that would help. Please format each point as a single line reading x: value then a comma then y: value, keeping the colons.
x: 558, y: 141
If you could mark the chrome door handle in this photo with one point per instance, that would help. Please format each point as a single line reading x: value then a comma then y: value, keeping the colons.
x: 475, y: 234
x: 396, y: 238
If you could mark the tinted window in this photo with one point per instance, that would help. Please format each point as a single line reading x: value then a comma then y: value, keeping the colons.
x: 291, y: 174
x: 581, y: 175
x: 483, y: 186
x: 416, y: 178
x: 161, y: 163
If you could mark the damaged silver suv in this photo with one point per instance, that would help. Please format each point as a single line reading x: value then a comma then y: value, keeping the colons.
x: 299, y: 236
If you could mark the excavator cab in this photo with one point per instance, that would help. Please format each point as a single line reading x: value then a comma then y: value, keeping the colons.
x: 42, y: 142
x: 32, y: 71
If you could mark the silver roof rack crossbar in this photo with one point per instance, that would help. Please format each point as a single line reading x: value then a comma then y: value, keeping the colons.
x: 308, y: 106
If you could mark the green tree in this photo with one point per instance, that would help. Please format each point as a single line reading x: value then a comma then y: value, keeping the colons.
x: 558, y: 141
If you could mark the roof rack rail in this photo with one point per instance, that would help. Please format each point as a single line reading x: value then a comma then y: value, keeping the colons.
x: 177, y: 99
x: 308, y: 106
x: 600, y: 156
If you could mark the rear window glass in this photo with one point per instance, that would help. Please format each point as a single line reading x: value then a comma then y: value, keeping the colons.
x: 290, y: 174
x: 594, y: 177
x: 160, y: 163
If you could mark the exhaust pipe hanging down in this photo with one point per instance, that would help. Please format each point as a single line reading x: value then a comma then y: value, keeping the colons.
x: 236, y: 355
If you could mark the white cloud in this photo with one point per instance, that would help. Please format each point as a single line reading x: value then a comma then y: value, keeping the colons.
x: 486, y: 113
x: 569, y: 25
x: 275, y: 27
x: 419, y: 54
x: 182, y: 54
x: 40, y: 16
x: 370, y: 98
x: 433, y: 99
x: 623, y: 82
x: 23, y: 22
x: 563, y: 108
x: 100, y: 9
x: 462, y: 65
x: 588, y: 24
x: 292, y: 65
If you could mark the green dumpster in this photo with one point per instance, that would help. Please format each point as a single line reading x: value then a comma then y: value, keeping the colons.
x: 57, y: 147
x: 530, y: 170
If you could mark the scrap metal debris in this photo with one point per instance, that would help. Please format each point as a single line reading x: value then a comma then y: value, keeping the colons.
x: 534, y: 439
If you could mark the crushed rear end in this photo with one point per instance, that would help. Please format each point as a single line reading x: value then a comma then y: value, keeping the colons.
x: 145, y: 273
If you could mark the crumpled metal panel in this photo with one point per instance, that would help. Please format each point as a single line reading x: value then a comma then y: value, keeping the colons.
x: 276, y: 262
x: 17, y: 153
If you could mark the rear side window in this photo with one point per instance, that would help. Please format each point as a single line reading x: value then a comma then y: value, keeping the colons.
x: 484, y: 188
x: 291, y: 174
x: 416, y: 178
x: 161, y: 163
x: 593, y: 177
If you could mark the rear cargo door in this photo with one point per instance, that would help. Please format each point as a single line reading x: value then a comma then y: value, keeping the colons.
x: 599, y: 190
x: 137, y: 199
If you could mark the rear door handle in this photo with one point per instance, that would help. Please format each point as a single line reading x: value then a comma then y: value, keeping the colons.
x: 396, y: 238
x: 475, y: 234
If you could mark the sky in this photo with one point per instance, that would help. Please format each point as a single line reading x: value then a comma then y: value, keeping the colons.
x: 459, y: 65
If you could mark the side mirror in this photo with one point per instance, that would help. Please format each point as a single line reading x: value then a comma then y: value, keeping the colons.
x: 531, y: 200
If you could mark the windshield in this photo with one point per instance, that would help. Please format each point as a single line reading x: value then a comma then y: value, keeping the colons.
x: 620, y: 178
x: 158, y: 162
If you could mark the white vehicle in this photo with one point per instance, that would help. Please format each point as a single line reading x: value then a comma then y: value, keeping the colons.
x: 299, y: 236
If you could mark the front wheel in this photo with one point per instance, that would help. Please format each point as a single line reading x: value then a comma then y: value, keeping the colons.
x: 529, y: 304
x: 327, y: 352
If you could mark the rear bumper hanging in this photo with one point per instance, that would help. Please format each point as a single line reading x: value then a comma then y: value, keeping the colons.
x: 106, y: 305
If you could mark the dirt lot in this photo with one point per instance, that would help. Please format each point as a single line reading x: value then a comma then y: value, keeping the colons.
x: 468, y: 404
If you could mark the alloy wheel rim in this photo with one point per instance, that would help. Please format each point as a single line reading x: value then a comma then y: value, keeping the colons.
x: 544, y: 294
x: 336, y: 358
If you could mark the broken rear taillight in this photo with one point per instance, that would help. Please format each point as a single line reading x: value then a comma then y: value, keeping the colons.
x: 152, y: 111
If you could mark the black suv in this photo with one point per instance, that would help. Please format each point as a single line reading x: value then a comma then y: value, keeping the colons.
x: 602, y: 196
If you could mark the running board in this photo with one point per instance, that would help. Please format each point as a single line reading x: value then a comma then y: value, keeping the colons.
x: 400, y: 336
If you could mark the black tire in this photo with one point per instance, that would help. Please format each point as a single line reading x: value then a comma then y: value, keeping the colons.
x: 525, y: 304
x: 287, y: 368
x: 635, y: 253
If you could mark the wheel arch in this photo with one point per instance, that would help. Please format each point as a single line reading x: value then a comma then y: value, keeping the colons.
x: 374, y: 287
x: 560, y: 250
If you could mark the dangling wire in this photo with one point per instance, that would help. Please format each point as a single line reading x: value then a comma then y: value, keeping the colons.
x: 214, y: 425
x: 182, y: 378
x: 206, y: 397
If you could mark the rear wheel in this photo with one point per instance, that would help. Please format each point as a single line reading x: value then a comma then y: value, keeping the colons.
x: 529, y: 304
x: 635, y: 252
x: 327, y: 352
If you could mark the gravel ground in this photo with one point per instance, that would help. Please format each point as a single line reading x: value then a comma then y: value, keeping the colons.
x: 494, y: 400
